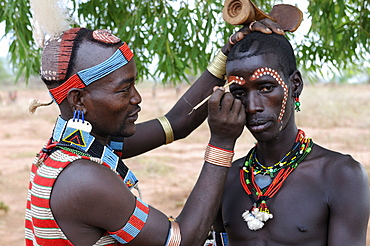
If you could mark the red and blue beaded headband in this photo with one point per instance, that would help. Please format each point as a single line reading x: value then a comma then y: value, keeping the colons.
x: 83, y: 78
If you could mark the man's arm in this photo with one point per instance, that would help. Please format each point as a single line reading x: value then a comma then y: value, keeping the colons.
x: 150, y: 134
x: 89, y: 199
x: 349, y: 204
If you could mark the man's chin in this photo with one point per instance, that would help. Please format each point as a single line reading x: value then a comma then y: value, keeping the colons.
x: 128, y: 132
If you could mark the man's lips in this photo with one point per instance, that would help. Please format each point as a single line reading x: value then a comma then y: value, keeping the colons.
x: 258, y: 125
x: 134, y: 114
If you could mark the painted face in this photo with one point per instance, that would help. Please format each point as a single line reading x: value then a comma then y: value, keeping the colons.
x: 112, y: 103
x: 264, y: 94
x: 271, y: 72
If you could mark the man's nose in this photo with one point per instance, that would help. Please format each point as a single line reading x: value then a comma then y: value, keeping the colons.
x: 136, y: 97
x: 253, y: 103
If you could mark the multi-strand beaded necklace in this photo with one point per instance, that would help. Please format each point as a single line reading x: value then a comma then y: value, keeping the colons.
x: 265, y: 182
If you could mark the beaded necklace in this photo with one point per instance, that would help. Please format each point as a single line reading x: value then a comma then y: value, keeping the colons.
x: 265, y: 182
x: 83, y: 143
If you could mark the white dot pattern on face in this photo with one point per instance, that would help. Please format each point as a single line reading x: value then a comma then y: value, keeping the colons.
x: 271, y: 72
x: 236, y: 79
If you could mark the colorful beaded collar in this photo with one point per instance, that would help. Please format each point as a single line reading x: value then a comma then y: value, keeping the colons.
x: 84, y: 142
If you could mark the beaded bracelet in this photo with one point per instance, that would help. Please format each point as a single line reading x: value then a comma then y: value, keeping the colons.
x: 218, y: 156
x: 174, y: 237
x: 166, y: 125
x: 218, y: 66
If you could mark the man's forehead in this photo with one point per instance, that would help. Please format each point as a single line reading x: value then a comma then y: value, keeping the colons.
x: 249, y: 64
x: 90, y: 54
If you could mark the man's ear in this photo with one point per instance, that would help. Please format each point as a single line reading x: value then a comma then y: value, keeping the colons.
x: 75, y: 99
x: 297, y: 83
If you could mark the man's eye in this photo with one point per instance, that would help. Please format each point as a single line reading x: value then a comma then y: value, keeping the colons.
x: 238, y: 93
x: 126, y: 89
x: 266, y: 88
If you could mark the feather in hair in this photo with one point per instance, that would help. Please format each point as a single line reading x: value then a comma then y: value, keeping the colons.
x: 51, y: 18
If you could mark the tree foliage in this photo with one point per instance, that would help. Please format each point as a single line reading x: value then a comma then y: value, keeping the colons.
x: 173, y: 39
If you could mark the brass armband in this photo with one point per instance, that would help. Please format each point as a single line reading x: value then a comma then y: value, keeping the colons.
x: 218, y: 66
x: 166, y: 125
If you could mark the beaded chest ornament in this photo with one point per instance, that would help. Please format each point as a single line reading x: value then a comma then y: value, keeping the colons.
x: 261, y: 183
x: 75, y: 137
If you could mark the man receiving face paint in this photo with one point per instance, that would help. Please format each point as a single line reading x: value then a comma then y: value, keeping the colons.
x: 286, y: 190
x: 79, y: 190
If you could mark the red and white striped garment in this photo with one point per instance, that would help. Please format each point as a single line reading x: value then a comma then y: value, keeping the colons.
x: 40, y: 225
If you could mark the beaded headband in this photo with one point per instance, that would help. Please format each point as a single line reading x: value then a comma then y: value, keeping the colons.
x: 269, y: 71
x: 87, y: 76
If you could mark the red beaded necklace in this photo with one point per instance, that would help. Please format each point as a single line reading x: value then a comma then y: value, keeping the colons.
x: 278, y: 173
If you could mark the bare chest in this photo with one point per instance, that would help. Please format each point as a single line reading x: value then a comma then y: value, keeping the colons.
x: 299, y: 209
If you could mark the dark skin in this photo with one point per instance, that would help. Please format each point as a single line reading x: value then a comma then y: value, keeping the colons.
x: 325, y: 201
x: 149, y: 134
x: 89, y: 199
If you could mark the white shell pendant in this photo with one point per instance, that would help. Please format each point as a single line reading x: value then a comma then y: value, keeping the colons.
x: 256, y: 218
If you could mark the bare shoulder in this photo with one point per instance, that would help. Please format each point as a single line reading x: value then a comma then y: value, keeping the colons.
x: 90, y: 193
x: 342, y: 176
x: 335, y: 162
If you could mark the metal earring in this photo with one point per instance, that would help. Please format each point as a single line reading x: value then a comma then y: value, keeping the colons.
x: 297, y: 104
x: 78, y: 121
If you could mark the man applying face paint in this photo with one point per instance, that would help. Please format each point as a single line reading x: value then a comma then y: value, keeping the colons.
x: 287, y: 190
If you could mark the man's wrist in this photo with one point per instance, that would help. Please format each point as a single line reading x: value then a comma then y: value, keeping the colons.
x: 218, y: 156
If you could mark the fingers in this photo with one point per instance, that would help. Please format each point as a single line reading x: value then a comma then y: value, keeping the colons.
x: 236, y: 37
x: 259, y: 27
x: 226, y: 117
x: 215, y: 99
x: 223, y: 104
x: 271, y: 25
x: 237, y: 107
x: 266, y: 25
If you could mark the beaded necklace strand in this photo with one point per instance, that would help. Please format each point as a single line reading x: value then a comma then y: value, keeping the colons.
x: 279, y: 172
x: 83, y: 143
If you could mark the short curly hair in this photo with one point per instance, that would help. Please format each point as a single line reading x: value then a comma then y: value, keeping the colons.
x: 266, y: 44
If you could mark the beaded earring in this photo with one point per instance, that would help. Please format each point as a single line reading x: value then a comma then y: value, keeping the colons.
x: 78, y: 122
x: 297, y: 104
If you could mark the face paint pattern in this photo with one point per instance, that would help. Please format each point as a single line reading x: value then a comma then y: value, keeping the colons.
x: 269, y: 71
x: 236, y: 79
